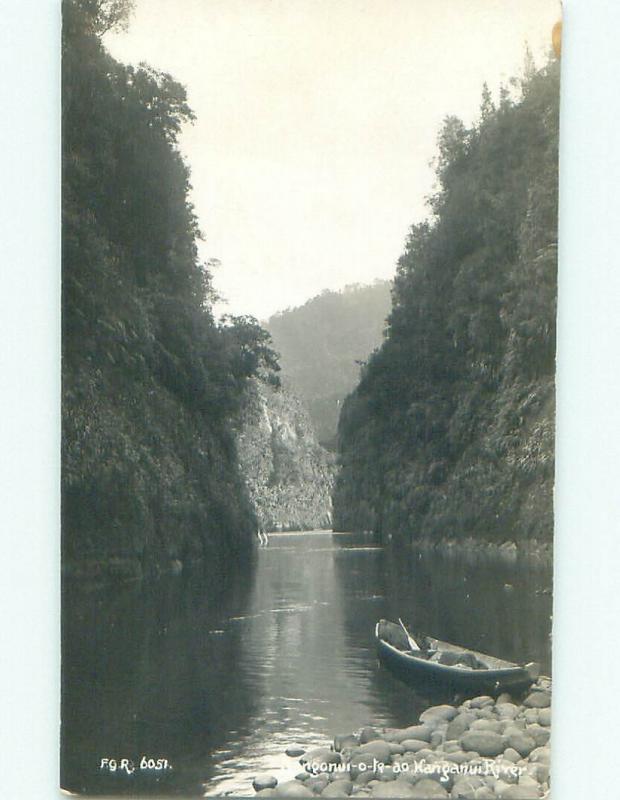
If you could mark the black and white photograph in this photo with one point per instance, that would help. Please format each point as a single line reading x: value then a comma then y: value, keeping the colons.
x: 309, y: 293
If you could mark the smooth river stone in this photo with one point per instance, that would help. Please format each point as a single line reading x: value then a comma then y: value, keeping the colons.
x: 393, y: 789
x: 484, y: 793
x: 544, y: 717
x: 414, y: 745
x: 521, y: 742
x: 486, y: 743
x: 317, y: 783
x: 538, y: 700
x: 362, y: 763
x: 541, y: 755
x: 428, y: 789
x: 294, y: 752
x: 422, y: 732
x: 465, y: 788
x: 379, y: 749
x: 459, y: 757
x: 457, y: 727
x: 539, y: 734
x: 368, y: 734
x: 516, y: 792
x: 264, y: 782
x: 506, y: 710
x: 338, y: 789
x: 343, y: 775
x: 437, y: 738
x: 435, y: 714
x: 321, y: 755
x: 293, y: 789
x: 486, y: 725
x: 481, y: 701
x: 345, y: 741
x: 511, y: 754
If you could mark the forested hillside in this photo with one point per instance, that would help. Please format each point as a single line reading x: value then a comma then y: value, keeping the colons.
x: 289, y: 475
x: 450, y: 432
x: 322, y: 342
x: 151, y: 384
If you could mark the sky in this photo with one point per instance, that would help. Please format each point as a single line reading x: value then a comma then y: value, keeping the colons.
x: 317, y: 122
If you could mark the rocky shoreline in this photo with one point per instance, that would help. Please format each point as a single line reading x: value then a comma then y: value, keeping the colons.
x: 482, y: 749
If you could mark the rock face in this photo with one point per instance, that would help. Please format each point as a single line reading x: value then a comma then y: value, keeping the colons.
x: 288, y: 474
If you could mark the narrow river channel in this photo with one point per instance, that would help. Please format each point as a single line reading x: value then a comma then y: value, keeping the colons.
x: 218, y: 675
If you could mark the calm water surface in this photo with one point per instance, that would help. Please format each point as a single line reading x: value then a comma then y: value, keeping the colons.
x: 220, y: 674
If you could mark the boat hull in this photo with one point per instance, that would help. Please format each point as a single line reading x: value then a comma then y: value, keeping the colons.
x: 418, y: 672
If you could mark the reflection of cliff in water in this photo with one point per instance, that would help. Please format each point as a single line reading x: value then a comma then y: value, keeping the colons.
x: 144, y: 671
x: 489, y: 602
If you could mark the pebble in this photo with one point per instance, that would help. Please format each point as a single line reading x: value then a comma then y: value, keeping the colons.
x: 338, y: 789
x: 344, y: 741
x: 539, y: 734
x: 428, y: 789
x: 521, y: 742
x: 422, y: 732
x: 486, y: 725
x: 538, y: 699
x: 367, y: 735
x: 264, y: 782
x: 487, y: 743
x: 506, y: 710
x: 438, y: 714
x: 457, y: 727
x: 544, y: 717
x: 318, y: 783
x: 481, y: 701
x: 481, y: 731
x: 293, y: 789
x: 511, y: 754
x: 378, y: 748
x: 394, y: 789
x: 465, y: 788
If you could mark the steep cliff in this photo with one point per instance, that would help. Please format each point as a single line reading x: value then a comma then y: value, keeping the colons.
x: 288, y: 474
x: 450, y: 432
x: 151, y: 383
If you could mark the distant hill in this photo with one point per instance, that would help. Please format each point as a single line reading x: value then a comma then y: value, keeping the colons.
x: 321, y: 343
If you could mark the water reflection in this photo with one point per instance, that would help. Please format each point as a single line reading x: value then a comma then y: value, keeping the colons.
x: 221, y: 675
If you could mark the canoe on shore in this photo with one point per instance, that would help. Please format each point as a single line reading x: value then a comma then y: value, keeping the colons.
x: 447, y: 665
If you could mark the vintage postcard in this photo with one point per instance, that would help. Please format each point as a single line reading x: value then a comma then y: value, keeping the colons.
x: 308, y: 340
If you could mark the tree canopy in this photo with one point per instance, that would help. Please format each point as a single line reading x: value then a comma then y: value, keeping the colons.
x: 450, y: 430
x: 152, y: 384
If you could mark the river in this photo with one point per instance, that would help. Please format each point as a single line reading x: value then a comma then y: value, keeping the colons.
x: 218, y: 674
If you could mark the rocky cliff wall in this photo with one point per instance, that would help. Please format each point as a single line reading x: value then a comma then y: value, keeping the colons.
x: 288, y: 474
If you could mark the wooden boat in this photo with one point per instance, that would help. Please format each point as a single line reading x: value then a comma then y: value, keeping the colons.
x: 439, y: 663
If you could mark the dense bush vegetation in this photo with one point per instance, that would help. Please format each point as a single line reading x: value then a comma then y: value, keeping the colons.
x: 450, y: 432
x: 322, y: 342
x: 151, y: 383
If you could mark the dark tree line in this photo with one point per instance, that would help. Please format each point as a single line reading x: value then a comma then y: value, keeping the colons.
x: 151, y: 383
x: 450, y: 430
